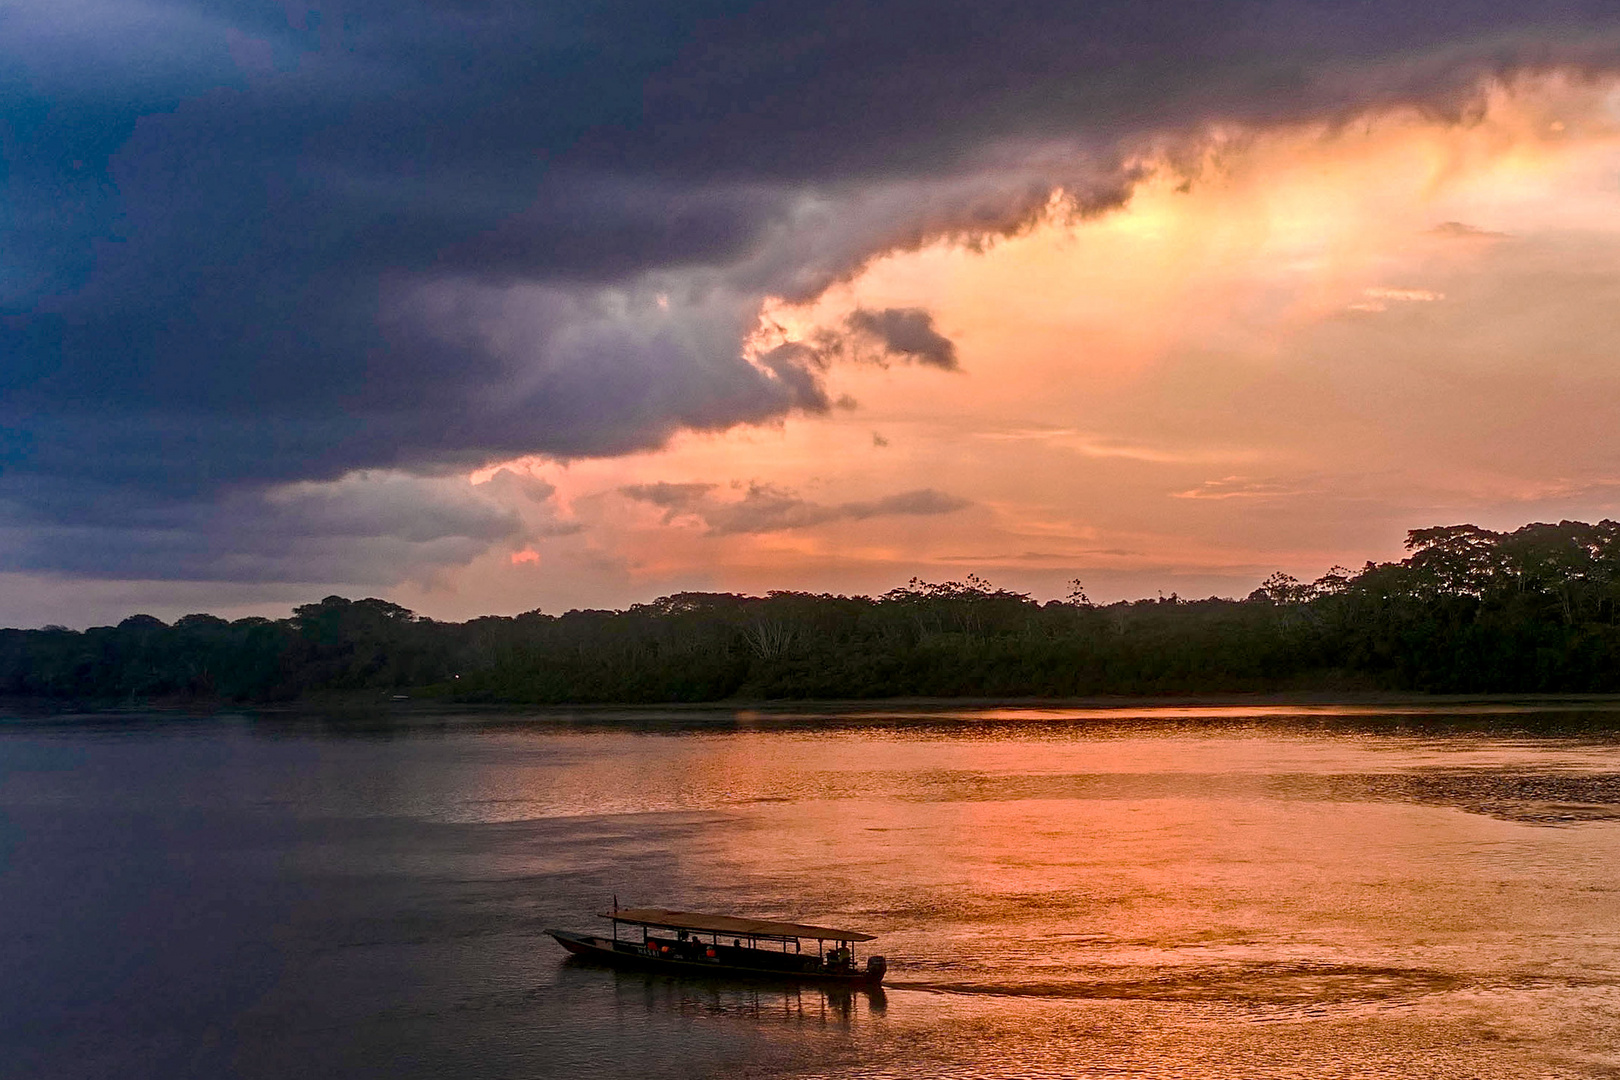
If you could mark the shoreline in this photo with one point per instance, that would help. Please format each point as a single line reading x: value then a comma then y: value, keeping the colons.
x: 370, y: 705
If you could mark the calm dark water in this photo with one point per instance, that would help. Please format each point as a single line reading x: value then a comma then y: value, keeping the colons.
x: 1171, y: 893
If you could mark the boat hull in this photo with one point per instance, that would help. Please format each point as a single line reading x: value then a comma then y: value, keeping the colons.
x: 625, y: 955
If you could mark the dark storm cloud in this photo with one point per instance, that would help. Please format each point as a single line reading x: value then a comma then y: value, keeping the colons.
x: 365, y: 528
x: 867, y: 336
x: 907, y: 333
x: 766, y: 508
x: 248, y: 243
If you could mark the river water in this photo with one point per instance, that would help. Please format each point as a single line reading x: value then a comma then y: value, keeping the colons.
x: 1327, y: 892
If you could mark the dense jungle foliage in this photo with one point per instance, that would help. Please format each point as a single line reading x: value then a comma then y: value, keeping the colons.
x: 1467, y: 611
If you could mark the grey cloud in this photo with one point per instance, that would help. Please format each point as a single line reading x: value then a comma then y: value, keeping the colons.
x: 920, y: 502
x: 766, y: 508
x: 601, y: 371
x: 907, y: 333
x: 363, y: 529
x: 521, y: 485
x: 675, y: 499
x: 867, y: 336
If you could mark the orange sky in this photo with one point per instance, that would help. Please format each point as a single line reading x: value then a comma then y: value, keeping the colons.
x: 1281, y: 357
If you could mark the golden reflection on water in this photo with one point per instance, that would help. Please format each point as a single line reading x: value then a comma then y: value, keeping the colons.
x: 1030, y: 861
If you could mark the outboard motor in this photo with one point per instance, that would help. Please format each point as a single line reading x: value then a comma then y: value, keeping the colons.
x: 876, y: 966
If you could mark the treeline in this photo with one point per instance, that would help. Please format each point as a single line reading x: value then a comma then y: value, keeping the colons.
x: 1468, y: 611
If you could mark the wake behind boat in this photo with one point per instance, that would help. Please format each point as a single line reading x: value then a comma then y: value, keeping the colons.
x: 688, y: 942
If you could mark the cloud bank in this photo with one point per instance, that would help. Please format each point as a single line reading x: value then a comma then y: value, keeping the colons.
x: 250, y: 246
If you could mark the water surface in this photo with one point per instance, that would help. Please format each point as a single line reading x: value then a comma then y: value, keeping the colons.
x: 1144, y: 893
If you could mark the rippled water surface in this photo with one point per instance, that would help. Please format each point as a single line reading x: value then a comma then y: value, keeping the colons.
x: 1159, y: 893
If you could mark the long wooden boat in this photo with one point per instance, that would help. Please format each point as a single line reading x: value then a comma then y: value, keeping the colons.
x: 692, y: 943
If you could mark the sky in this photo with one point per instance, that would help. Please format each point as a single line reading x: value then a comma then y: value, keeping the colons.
x: 484, y: 306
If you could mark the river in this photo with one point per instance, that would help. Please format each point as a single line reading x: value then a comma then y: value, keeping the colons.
x: 1180, y: 892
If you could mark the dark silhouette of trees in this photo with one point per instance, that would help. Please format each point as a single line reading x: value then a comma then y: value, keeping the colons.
x: 1467, y: 610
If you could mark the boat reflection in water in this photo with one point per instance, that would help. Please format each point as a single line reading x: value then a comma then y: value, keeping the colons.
x: 692, y: 943
x: 794, y: 1006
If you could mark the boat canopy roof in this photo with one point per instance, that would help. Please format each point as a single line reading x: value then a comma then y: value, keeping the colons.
x: 727, y: 924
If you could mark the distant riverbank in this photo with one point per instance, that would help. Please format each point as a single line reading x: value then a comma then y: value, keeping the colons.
x: 1470, y: 612
x: 1293, y: 708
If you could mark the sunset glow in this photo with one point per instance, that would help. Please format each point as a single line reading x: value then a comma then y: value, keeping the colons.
x: 1278, y: 357
x: 1161, y: 330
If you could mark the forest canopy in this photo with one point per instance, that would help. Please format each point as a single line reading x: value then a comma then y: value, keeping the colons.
x: 1467, y: 611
